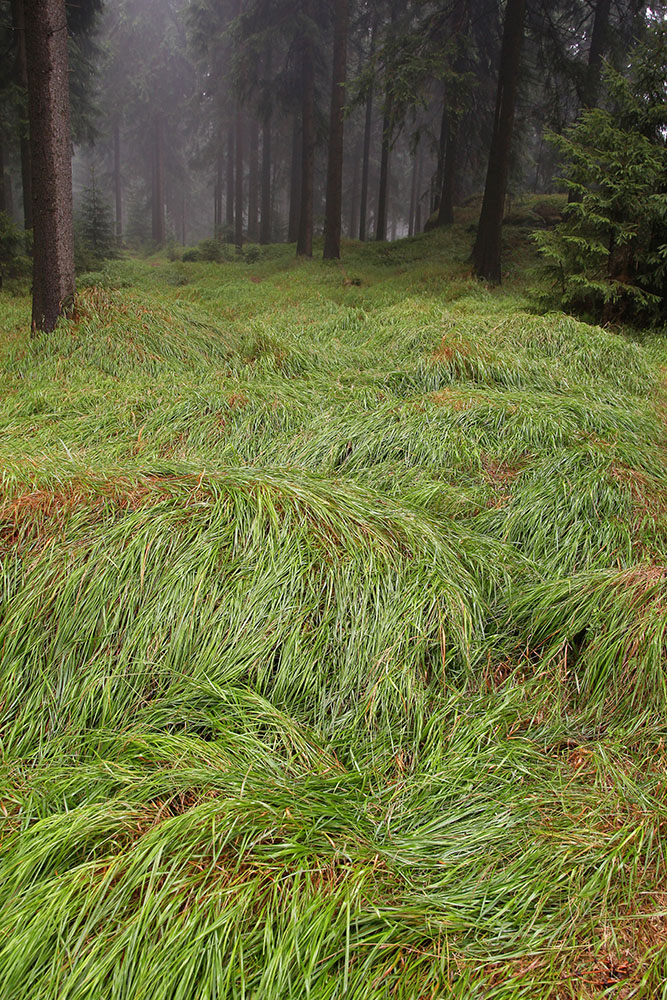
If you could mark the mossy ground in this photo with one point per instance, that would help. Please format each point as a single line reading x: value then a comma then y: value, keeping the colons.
x: 334, y: 606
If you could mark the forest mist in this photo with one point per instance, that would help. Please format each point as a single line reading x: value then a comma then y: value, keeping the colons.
x: 187, y: 114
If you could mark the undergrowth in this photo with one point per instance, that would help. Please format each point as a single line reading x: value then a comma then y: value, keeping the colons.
x: 333, y: 621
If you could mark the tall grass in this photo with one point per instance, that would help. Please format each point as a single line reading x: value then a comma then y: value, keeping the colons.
x: 332, y: 618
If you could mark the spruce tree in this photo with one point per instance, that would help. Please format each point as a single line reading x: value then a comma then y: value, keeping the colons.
x: 95, y: 225
x: 608, y: 259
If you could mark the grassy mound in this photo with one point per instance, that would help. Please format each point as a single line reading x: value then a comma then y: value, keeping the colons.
x: 333, y: 628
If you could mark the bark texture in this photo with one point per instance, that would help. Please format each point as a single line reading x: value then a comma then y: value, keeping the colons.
x: 217, y: 194
x: 336, y: 125
x: 486, y: 252
x: 51, y: 160
x: 596, y: 52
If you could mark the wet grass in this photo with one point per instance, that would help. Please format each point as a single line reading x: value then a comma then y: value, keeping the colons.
x: 333, y: 625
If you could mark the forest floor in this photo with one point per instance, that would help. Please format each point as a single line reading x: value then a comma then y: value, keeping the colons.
x: 334, y: 604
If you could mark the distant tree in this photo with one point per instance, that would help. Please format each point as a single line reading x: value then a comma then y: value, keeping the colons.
x: 368, y: 126
x: 335, y: 163
x: 51, y: 167
x: 487, y: 249
x: 304, y: 242
x: 95, y: 227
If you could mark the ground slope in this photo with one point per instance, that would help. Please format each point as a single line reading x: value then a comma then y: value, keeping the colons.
x: 333, y: 639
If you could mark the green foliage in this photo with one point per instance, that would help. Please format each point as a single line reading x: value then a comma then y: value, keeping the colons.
x: 212, y: 250
x: 608, y: 258
x: 190, y: 255
x: 252, y: 253
x: 173, y: 251
x: 15, y: 263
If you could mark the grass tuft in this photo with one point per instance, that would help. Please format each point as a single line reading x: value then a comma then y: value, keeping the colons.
x: 333, y: 618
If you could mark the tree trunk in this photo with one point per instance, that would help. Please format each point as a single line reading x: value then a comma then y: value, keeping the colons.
x: 265, y: 224
x: 446, y: 206
x: 594, y: 66
x: 295, y: 184
x: 596, y: 52
x: 486, y: 252
x: 413, y: 194
x: 9, y: 196
x: 336, y: 121
x: 3, y: 184
x: 442, y: 150
x: 418, y: 199
x: 118, y: 192
x: 304, y: 243
x: 387, y: 123
x: 217, y: 193
x: 18, y: 22
x: 229, y: 184
x: 354, y: 195
x: 158, y: 198
x: 253, y: 183
x: 238, y: 200
x: 368, y: 128
x: 51, y: 160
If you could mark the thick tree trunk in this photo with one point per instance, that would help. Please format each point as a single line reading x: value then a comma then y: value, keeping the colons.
x: 387, y: 122
x: 253, y: 183
x: 596, y: 52
x: 18, y: 22
x: 238, y: 200
x: 336, y: 123
x: 366, y: 156
x: 158, y: 200
x: 229, y: 184
x: 487, y: 249
x: 265, y: 223
x: 295, y: 184
x: 304, y: 243
x: 51, y: 159
x: 217, y: 193
x: 118, y: 191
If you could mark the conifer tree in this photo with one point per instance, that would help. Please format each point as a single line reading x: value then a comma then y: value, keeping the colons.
x: 95, y: 224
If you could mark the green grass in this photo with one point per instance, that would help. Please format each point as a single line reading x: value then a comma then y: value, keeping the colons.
x: 333, y: 629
